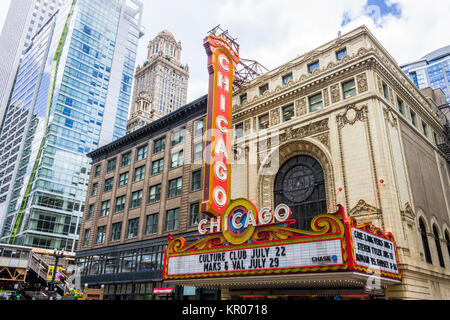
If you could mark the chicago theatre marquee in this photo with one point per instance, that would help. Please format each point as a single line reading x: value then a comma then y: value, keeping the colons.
x: 323, y: 178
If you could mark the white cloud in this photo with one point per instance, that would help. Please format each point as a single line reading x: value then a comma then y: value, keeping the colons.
x: 274, y: 32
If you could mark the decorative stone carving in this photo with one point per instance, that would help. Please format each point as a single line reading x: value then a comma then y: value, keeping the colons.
x: 380, y: 85
x: 326, y: 98
x: 300, y: 106
x: 247, y: 126
x: 275, y: 116
x: 351, y: 115
x: 390, y: 117
x: 361, y: 80
x: 362, y: 209
x: 324, y: 139
x: 335, y: 94
x: 408, y: 213
x: 304, y: 131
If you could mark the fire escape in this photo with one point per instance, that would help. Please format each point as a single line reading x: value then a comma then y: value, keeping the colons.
x: 443, y: 141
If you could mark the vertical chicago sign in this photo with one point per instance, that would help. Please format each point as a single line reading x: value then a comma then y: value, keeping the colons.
x: 223, y: 58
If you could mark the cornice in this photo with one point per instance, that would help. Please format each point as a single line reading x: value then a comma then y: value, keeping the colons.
x: 349, y: 65
x: 155, y: 128
x: 307, y: 58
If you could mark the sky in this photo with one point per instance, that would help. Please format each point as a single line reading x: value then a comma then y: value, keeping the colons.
x: 274, y: 32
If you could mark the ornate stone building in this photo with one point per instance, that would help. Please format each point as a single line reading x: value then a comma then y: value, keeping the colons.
x: 162, y: 79
x: 345, y: 116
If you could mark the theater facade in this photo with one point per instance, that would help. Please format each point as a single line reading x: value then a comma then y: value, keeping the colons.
x: 338, y: 137
x: 337, y: 189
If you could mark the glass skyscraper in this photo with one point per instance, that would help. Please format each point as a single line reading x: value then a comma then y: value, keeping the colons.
x: 71, y: 96
x: 24, y: 19
x: 433, y: 70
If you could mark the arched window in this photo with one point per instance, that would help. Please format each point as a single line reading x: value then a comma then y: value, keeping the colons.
x: 300, y: 184
x: 426, y: 247
x: 447, y: 239
x: 438, y: 246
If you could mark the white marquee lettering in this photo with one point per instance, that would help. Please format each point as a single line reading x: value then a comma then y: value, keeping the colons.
x: 222, y: 124
x: 224, y: 62
x: 223, y: 81
x: 220, y: 170
x: 221, y: 148
x: 220, y: 196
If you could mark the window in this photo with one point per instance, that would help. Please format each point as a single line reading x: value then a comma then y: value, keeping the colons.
x: 116, y: 231
x: 263, y: 89
x: 177, y: 159
x: 315, y: 102
x: 97, y: 170
x: 400, y: 105
x: 101, y: 231
x: 175, y: 187
x: 341, y: 53
x: 172, y: 219
x: 438, y: 247
x: 154, y: 194
x: 178, y: 136
x: 90, y: 212
x: 447, y: 240
x: 141, y: 153
x: 111, y: 165
x: 151, y: 224
x: 425, y: 129
x: 198, y: 151
x: 120, y: 204
x: 123, y: 179
x: 436, y: 141
x: 413, y: 118
x: 426, y: 247
x: 264, y: 121
x: 139, y: 174
x: 133, y: 226
x: 108, y: 184
x: 385, y: 91
x: 198, y: 128
x: 105, y: 208
x: 193, y: 214
x: 159, y: 145
x: 196, y: 180
x: 94, y: 189
x: 87, y: 234
x: 313, y: 66
x: 157, y: 166
x: 243, y: 98
x: 126, y: 159
x: 349, y: 89
x: 287, y: 78
x: 239, y: 130
x: 288, y: 112
x: 136, y: 198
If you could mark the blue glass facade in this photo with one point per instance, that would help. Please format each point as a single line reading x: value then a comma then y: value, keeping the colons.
x: 431, y: 71
x: 81, y: 104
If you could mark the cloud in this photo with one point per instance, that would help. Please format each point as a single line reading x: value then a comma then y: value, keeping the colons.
x: 274, y: 32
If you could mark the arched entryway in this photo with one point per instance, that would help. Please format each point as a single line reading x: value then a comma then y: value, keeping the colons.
x: 300, y: 183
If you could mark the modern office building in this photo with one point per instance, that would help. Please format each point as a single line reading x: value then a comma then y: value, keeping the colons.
x: 162, y: 79
x: 432, y: 70
x: 71, y: 96
x: 343, y: 115
x: 24, y: 19
x: 143, y: 187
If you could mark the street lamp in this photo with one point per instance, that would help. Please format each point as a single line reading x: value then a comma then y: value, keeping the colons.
x: 57, y: 254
